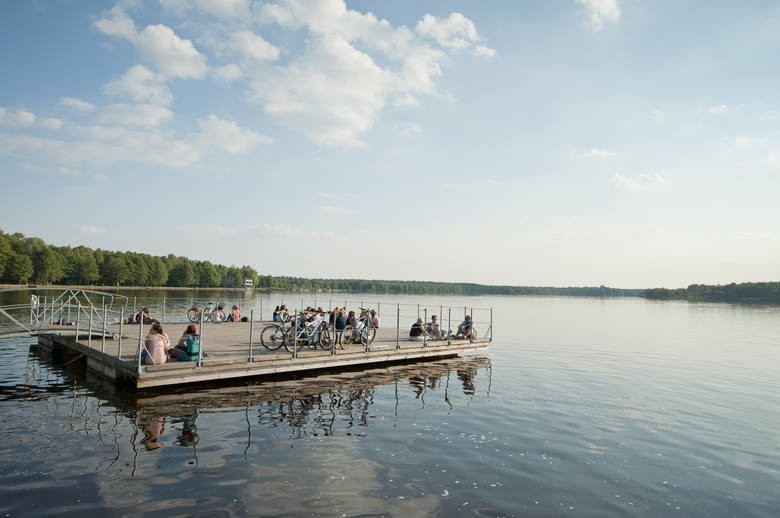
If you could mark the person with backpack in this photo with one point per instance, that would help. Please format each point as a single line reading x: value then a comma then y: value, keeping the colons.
x: 188, y: 348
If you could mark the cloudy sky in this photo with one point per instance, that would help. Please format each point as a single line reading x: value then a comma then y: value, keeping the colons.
x: 630, y: 143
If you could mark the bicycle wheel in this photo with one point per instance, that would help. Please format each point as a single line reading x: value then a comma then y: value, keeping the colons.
x: 367, y: 335
x: 272, y: 337
x: 348, y: 336
x: 324, y: 339
x: 193, y: 315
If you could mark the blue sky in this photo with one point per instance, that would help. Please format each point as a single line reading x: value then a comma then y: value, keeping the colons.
x: 630, y: 143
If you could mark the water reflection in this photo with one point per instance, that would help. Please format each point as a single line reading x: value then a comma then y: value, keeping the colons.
x: 328, y: 405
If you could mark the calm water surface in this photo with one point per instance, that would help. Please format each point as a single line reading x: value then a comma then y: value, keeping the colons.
x: 584, y: 407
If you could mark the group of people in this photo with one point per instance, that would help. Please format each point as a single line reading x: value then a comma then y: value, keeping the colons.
x: 432, y: 331
x: 158, y: 348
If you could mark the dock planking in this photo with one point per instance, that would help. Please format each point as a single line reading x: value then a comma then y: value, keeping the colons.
x: 229, y: 356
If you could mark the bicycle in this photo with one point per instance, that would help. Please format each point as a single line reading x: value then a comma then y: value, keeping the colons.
x: 214, y: 312
x: 272, y: 335
x: 363, y: 332
x: 308, y: 333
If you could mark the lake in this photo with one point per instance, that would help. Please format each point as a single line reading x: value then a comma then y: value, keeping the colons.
x: 583, y: 407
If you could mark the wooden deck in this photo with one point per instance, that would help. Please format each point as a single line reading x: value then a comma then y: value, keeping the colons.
x: 228, y: 354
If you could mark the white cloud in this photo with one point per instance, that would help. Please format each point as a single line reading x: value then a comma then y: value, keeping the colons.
x: 597, y: 153
x: 227, y: 73
x: 16, y: 118
x: 254, y: 47
x: 135, y: 114
x: 158, y: 45
x: 352, y: 66
x: 283, y: 230
x: 601, y: 12
x: 642, y: 182
x: 141, y: 85
x: 657, y: 116
x: 170, y: 54
x: 77, y: 104
x: 456, y: 32
x: 228, y: 136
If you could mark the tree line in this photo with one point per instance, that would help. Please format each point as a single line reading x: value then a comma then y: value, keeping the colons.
x: 25, y: 260
x: 746, y: 292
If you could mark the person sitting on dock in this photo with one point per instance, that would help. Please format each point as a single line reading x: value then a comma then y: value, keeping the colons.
x: 141, y: 317
x: 465, y: 329
x: 156, y: 345
x: 275, y: 316
x: 351, y: 318
x: 433, y: 329
x: 418, y: 332
x: 235, y: 314
x: 284, y: 313
x: 374, y: 319
x: 188, y: 348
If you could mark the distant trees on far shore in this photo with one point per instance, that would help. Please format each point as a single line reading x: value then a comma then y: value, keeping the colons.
x: 746, y: 292
x: 26, y: 260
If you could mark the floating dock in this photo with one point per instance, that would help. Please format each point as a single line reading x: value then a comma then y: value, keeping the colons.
x: 233, y: 351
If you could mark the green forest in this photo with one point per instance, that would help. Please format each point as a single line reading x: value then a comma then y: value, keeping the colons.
x: 29, y: 260
x: 747, y: 292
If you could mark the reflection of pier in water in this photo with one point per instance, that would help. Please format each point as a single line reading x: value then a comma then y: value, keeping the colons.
x: 245, y: 431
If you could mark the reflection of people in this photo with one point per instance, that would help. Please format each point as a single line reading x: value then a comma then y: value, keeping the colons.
x: 153, y: 430
x: 467, y: 377
x: 188, y: 347
x: 189, y: 431
x: 157, y: 345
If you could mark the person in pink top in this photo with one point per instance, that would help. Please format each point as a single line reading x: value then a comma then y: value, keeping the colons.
x: 157, y: 345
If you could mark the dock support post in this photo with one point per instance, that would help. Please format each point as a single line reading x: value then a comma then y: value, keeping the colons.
x: 251, y: 332
x: 397, y: 325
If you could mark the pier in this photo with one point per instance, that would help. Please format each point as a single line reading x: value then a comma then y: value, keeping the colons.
x: 72, y: 328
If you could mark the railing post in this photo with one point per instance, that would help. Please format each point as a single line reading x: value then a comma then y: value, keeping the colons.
x: 140, y: 338
x: 491, y: 324
x: 251, y: 332
x: 295, y: 334
x: 134, y: 308
x: 103, y: 338
x: 397, y: 325
x: 449, y: 326
x: 200, y: 334
x: 425, y: 331
x: 78, y: 321
x: 121, y: 323
x: 89, y: 336
x: 162, y: 317
x: 473, y: 327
